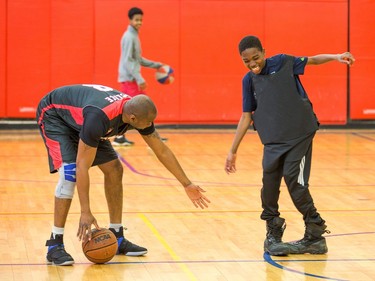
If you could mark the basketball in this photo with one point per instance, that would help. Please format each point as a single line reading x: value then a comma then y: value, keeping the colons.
x: 164, y: 75
x: 102, y: 247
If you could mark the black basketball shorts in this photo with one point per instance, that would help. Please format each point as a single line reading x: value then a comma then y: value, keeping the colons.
x: 61, y: 142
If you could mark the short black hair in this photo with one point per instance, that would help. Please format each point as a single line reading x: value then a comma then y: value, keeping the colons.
x: 134, y: 11
x: 249, y: 42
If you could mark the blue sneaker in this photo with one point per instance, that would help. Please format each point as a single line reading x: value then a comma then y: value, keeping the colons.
x: 56, y: 254
x: 125, y: 247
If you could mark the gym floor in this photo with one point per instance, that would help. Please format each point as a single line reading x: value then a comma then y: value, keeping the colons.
x: 223, y: 242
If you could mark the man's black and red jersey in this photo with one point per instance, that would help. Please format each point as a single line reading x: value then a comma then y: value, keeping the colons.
x: 94, y: 111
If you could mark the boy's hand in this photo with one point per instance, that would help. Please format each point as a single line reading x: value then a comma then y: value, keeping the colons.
x: 142, y: 86
x: 230, y: 163
x: 346, y: 58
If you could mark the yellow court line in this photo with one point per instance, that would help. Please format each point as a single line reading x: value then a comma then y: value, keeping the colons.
x: 174, y: 256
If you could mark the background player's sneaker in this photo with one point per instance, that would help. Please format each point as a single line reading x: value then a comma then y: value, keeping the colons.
x: 125, y: 247
x: 56, y: 254
x: 122, y: 141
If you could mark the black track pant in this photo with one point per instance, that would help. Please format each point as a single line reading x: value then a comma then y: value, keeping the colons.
x: 292, y: 161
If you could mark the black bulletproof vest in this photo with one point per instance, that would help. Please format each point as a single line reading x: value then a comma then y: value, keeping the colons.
x: 281, y: 114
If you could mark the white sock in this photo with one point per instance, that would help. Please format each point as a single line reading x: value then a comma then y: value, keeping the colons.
x: 57, y: 230
x: 116, y: 226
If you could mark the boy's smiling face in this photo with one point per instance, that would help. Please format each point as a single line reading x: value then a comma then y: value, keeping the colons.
x: 136, y: 21
x: 253, y: 59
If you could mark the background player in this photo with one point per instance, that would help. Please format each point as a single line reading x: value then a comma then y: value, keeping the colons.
x: 131, y: 60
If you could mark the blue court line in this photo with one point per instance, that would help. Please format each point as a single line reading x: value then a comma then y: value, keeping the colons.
x: 131, y: 168
x: 268, y: 259
x: 231, y: 184
x: 350, y: 234
x: 203, y: 262
x: 272, y: 262
x: 148, y: 184
x: 189, y: 212
x: 363, y: 137
x: 266, y: 256
x: 135, y: 171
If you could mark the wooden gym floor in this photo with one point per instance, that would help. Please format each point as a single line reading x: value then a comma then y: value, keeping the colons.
x: 223, y: 242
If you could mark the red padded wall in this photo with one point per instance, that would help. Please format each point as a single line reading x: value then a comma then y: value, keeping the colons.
x: 362, y: 42
x: 306, y: 28
x: 212, y: 68
x: 48, y: 43
x: 3, y: 58
x: 72, y: 42
x: 28, y: 55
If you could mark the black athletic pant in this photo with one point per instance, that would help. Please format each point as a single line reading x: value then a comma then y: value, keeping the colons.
x: 291, y: 161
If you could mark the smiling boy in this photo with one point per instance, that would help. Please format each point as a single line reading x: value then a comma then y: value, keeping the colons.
x: 275, y: 101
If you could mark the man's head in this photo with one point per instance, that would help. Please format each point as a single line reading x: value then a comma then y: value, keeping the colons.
x: 135, y: 16
x: 140, y: 112
x: 252, y: 53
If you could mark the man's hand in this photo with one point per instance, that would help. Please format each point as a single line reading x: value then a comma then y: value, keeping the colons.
x: 84, y: 228
x: 195, y: 194
x: 230, y: 163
